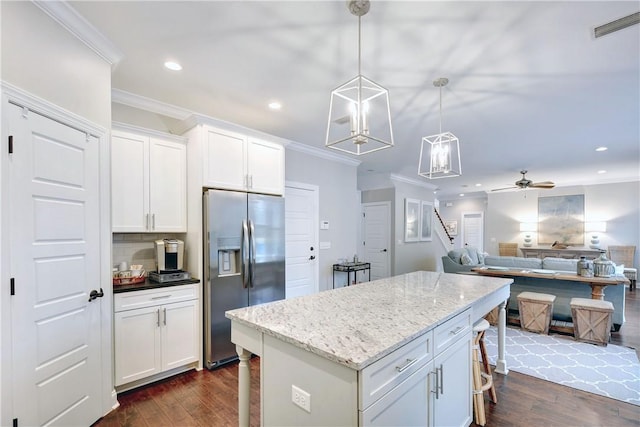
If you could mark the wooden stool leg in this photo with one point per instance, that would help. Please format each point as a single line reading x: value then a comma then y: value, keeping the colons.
x: 487, y: 368
x: 478, y: 398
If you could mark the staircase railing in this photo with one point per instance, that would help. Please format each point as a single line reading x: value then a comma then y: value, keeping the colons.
x: 443, y: 226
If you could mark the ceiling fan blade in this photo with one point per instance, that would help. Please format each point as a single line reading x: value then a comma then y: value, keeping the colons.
x: 505, y: 188
x: 543, y: 184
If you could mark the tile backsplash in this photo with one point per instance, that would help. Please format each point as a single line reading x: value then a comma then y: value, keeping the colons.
x: 138, y: 248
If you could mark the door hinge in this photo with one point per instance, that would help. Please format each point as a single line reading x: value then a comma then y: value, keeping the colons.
x: 13, y: 286
x: 15, y: 422
x: 10, y: 144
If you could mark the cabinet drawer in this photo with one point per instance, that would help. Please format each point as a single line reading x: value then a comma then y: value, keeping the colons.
x: 451, y: 331
x: 151, y: 297
x: 380, y: 377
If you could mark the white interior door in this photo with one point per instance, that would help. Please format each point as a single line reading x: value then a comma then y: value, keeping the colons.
x: 376, y: 231
x: 55, y: 261
x: 301, y: 234
x: 473, y: 229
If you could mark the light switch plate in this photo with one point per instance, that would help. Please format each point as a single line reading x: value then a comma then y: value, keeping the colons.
x: 324, y: 225
x: 325, y: 245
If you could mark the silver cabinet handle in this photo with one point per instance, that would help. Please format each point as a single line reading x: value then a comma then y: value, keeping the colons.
x: 441, y: 382
x: 437, y: 387
x: 158, y: 317
x: 165, y: 316
x: 457, y: 330
x: 147, y: 222
x: 153, y: 222
x: 250, y: 181
x: 162, y: 297
x: 406, y: 364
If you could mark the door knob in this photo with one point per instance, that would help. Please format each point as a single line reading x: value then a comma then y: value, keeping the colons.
x: 312, y: 257
x: 95, y: 294
x: 384, y: 250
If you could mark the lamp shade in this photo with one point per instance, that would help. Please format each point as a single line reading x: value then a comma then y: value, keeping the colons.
x: 597, y: 227
x: 528, y: 226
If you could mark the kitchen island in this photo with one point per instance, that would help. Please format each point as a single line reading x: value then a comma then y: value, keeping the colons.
x: 392, y: 350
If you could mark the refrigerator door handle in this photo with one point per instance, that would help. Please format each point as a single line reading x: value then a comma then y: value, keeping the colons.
x: 252, y: 251
x: 245, y: 254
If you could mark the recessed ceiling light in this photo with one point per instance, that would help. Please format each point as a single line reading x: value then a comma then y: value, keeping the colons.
x: 601, y: 149
x: 173, y: 66
x: 461, y: 194
x: 478, y: 185
x: 602, y: 171
x: 275, y: 105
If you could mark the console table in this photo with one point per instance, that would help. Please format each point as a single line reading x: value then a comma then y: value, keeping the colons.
x: 570, y: 252
x: 597, y: 283
x: 350, y: 267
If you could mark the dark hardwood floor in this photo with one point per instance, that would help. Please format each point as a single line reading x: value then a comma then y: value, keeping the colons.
x: 209, y: 398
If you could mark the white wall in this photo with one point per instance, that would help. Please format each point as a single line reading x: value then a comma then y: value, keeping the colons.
x: 339, y: 204
x: 457, y: 208
x: 616, y: 204
x: 43, y: 59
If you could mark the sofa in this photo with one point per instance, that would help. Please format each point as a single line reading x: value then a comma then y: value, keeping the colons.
x: 564, y: 290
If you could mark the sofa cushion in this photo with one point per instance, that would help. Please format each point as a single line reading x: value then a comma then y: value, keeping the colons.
x: 512, y: 262
x: 456, y: 254
x: 560, y: 264
x: 465, y: 259
x: 473, y: 254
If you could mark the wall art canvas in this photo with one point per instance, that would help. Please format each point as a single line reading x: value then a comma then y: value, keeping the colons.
x: 561, y: 219
x: 426, y: 224
x: 411, y: 220
x: 452, y: 227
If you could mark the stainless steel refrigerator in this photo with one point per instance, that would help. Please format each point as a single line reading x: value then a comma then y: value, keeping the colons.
x: 244, y: 262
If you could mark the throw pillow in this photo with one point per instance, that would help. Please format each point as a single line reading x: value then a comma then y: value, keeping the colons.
x: 465, y: 259
x: 480, y: 258
x: 473, y: 254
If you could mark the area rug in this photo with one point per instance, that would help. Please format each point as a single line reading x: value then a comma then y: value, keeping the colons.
x: 612, y: 371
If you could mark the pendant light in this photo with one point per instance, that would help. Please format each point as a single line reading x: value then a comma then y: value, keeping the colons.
x: 359, y: 117
x: 440, y: 153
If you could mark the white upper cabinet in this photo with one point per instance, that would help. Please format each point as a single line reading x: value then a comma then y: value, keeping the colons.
x: 234, y: 161
x: 148, y: 182
x: 265, y: 166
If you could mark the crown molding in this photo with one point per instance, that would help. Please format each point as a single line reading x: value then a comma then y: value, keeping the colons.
x: 404, y: 179
x: 76, y: 24
x: 323, y: 153
x: 154, y: 106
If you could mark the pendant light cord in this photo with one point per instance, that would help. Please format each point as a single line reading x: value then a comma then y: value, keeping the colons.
x: 359, y: 48
x: 440, y: 109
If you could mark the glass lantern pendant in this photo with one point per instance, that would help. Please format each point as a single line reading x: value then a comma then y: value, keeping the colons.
x: 440, y: 153
x: 361, y: 104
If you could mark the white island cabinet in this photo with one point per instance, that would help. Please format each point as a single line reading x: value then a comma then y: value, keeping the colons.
x: 394, y: 351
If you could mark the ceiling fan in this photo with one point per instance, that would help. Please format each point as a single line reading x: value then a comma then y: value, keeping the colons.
x: 524, y: 183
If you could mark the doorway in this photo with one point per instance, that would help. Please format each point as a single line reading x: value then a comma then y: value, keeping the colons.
x: 301, y: 239
x: 376, y: 240
x: 473, y: 230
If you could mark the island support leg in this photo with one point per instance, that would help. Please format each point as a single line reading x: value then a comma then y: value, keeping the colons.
x: 501, y: 363
x: 244, y: 383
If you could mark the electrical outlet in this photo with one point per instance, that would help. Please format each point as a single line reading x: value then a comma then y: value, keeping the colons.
x: 301, y: 398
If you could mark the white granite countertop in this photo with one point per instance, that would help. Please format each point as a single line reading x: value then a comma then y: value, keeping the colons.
x: 357, y: 325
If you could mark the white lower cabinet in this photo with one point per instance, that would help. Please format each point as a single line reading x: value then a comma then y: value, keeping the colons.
x: 436, y: 387
x: 155, y: 331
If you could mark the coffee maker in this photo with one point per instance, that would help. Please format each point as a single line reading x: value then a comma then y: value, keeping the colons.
x: 169, y: 259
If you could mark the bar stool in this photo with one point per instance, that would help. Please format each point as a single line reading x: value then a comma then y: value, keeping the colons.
x: 479, y: 329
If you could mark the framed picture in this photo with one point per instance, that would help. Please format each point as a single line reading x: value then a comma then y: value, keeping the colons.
x: 411, y: 220
x: 561, y: 219
x: 452, y: 227
x: 426, y: 221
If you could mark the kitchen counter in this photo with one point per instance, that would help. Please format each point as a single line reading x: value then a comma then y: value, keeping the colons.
x: 358, y: 325
x: 149, y: 284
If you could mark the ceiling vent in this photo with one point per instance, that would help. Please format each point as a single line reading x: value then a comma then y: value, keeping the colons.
x: 616, y: 25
